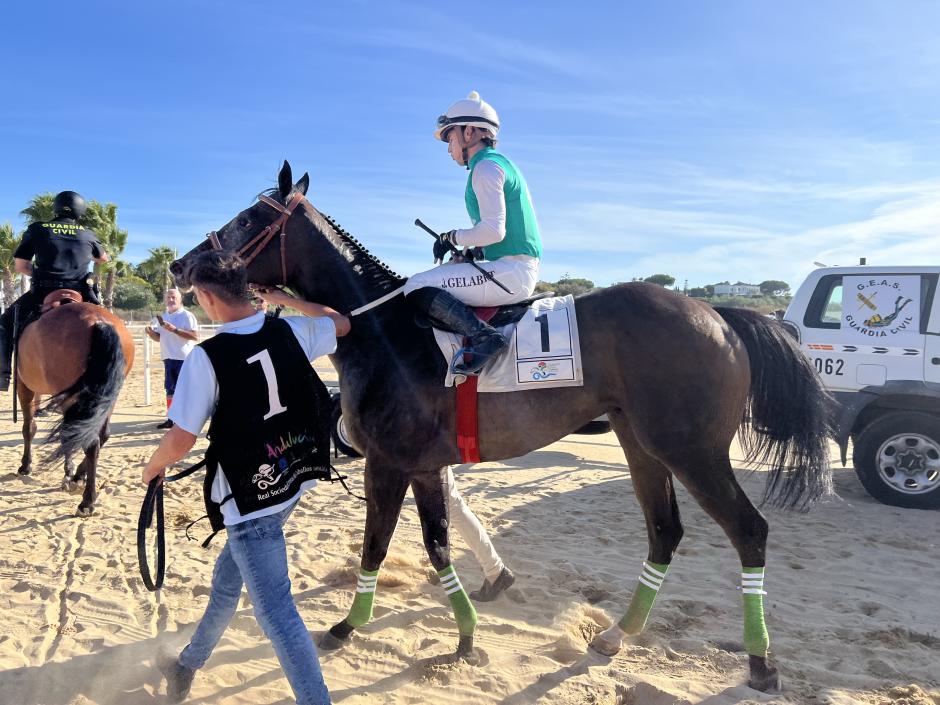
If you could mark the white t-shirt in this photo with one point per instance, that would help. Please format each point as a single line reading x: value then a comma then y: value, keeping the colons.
x: 197, y: 394
x: 488, y: 180
x: 173, y: 347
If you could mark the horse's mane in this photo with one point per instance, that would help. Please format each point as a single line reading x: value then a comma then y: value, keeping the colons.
x: 373, y: 270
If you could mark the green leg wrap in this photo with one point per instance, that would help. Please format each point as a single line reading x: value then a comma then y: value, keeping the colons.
x: 647, y: 588
x: 361, y: 611
x: 464, y: 612
x: 756, y: 639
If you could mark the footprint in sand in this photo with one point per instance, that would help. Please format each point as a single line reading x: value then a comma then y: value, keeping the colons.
x: 646, y: 694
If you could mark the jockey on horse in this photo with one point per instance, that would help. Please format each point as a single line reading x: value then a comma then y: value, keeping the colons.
x: 63, y: 251
x: 504, y: 225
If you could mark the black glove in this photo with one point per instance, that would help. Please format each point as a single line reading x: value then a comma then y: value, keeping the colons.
x: 473, y: 254
x: 443, y: 245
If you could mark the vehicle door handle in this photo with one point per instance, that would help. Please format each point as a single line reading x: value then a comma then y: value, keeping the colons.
x: 935, y: 360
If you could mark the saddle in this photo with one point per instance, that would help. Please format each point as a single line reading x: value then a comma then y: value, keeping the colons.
x: 496, y: 316
x: 57, y: 298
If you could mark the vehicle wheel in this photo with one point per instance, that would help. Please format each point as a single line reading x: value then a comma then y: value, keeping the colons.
x: 897, y: 459
x: 338, y: 431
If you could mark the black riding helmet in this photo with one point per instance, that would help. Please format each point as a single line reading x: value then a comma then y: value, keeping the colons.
x: 69, y: 204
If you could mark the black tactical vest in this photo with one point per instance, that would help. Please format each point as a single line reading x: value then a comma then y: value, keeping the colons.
x: 271, y: 428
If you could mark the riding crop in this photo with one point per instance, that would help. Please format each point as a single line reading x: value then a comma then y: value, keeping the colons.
x: 450, y: 246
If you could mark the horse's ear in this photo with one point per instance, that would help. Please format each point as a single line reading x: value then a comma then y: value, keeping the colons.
x: 303, y: 184
x: 285, y: 180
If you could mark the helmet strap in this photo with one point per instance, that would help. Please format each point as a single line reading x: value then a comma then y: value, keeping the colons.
x: 465, y: 146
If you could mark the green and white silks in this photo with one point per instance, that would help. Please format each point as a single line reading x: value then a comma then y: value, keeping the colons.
x: 361, y: 611
x: 647, y: 587
x: 464, y: 612
x: 756, y: 639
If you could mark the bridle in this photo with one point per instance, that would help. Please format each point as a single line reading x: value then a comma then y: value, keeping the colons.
x: 253, y: 247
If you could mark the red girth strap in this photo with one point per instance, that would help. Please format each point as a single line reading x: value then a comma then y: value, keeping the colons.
x: 468, y: 435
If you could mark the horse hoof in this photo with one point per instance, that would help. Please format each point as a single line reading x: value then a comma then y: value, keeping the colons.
x: 608, y: 642
x: 23, y: 470
x: 337, y: 637
x: 84, y: 511
x: 331, y: 643
x: 764, y: 677
x: 464, y: 647
x: 73, y: 486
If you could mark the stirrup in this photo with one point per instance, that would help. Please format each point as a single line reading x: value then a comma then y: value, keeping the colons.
x: 475, y: 367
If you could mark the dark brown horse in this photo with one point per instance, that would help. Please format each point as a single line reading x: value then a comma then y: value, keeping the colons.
x: 677, y: 378
x: 78, y: 353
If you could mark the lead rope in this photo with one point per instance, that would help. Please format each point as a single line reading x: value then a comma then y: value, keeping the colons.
x: 153, y: 505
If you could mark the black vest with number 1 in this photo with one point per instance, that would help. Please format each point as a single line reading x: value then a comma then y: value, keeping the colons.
x: 270, y: 430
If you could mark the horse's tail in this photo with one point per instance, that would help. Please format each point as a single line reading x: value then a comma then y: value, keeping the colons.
x: 788, y: 416
x: 87, y: 403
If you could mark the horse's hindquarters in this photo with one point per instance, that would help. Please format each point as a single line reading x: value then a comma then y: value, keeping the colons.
x: 52, y: 352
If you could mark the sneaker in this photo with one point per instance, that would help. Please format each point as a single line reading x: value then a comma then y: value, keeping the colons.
x: 179, y: 678
x: 165, y: 424
x: 489, y: 591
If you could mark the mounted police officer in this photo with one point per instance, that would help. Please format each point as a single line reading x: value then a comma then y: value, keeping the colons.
x: 63, y: 251
x: 504, y: 225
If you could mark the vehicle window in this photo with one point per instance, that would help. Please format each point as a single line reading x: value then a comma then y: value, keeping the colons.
x: 825, y: 305
x: 832, y: 311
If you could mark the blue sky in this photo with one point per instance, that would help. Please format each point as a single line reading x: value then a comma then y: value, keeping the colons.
x: 710, y: 141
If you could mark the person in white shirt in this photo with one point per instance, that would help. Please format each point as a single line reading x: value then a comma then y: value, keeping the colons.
x: 218, y: 382
x: 177, y: 331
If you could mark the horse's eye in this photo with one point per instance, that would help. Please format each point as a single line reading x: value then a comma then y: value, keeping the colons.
x: 243, y: 222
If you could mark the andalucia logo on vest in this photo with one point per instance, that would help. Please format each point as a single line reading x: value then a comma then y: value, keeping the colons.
x: 881, y: 307
x: 284, y: 454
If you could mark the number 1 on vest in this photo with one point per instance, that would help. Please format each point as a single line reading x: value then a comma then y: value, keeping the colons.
x: 274, y: 400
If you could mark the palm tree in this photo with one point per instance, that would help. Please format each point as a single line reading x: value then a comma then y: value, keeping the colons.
x: 39, y: 209
x: 8, y: 244
x: 102, y: 218
x: 156, y: 268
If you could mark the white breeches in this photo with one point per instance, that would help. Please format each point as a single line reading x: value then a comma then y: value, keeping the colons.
x: 471, y: 531
x: 467, y: 284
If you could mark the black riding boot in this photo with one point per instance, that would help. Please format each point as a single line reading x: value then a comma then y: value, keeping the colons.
x: 6, y: 354
x: 483, y: 341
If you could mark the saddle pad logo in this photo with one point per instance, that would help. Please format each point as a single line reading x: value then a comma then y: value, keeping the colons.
x: 545, y: 370
x: 881, y: 307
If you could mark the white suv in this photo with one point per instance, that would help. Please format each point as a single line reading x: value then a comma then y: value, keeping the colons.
x: 873, y: 334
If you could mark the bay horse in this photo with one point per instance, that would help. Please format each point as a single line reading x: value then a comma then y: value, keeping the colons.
x: 677, y: 378
x: 79, y: 354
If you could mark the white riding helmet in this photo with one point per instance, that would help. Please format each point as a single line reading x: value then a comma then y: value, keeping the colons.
x: 472, y: 111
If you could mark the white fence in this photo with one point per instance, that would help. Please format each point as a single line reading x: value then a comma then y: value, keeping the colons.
x: 138, y: 332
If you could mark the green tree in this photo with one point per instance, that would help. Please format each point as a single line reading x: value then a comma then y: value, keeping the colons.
x: 698, y: 292
x: 39, y: 209
x: 566, y: 285
x: 8, y: 244
x: 663, y: 280
x: 156, y: 269
x: 102, y: 218
x: 133, y: 293
x: 774, y: 287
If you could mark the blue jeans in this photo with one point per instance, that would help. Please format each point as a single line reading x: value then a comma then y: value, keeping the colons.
x: 256, y: 555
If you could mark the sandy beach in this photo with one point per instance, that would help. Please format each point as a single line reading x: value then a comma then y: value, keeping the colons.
x: 852, y: 609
